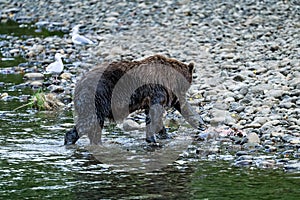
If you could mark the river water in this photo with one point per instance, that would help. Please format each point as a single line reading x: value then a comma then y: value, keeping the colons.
x: 34, y: 163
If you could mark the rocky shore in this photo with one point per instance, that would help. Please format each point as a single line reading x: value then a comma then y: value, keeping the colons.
x: 246, y: 53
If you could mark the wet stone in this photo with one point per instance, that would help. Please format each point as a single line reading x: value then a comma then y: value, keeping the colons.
x: 36, y: 84
x: 207, y: 136
x: 56, y: 88
x: 292, y: 166
x: 270, y: 148
x: 243, y: 163
x: 295, y: 141
x: 241, y: 153
x: 239, y: 78
x: 265, y: 164
x: 244, y: 157
x: 34, y: 76
x: 226, y: 157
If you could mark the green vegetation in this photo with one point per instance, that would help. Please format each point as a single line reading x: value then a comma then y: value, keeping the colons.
x: 38, y: 100
x: 42, y: 101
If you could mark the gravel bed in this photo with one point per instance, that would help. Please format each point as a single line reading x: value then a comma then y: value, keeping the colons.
x: 247, y: 57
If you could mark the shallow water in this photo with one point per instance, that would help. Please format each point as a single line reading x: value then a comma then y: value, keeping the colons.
x: 34, y: 163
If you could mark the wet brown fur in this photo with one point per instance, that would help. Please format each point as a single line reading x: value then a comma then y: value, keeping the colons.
x: 94, y: 93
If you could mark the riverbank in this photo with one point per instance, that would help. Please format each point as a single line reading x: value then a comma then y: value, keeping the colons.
x: 246, y: 55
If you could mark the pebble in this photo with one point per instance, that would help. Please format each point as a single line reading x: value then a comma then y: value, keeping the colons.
x: 277, y: 134
x: 295, y: 141
x: 66, y: 76
x: 226, y: 157
x: 207, y: 136
x: 56, y: 89
x: 36, y: 84
x: 270, y: 148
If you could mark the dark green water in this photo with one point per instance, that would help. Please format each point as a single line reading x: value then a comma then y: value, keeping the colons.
x: 220, y: 181
x: 26, y: 30
x: 34, y: 164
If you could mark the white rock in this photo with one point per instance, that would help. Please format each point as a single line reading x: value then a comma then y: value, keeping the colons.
x: 130, y: 125
x: 34, y: 76
x: 253, y: 138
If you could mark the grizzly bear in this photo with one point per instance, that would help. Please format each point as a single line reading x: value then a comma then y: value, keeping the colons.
x: 112, y: 91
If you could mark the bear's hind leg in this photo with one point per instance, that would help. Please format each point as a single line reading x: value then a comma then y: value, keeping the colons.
x: 154, y: 123
x: 95, y: 133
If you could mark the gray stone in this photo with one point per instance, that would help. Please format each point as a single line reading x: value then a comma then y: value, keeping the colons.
x: 287, y: 105
x: 274, y: 93
x: 253, y: 125
x: 260, y: 120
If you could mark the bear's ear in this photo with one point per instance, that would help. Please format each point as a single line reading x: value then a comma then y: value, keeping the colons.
x: 191, y: 67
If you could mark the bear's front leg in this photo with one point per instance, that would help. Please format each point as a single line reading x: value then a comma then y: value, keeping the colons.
x: 192, y: 117
x: 154, y: 123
